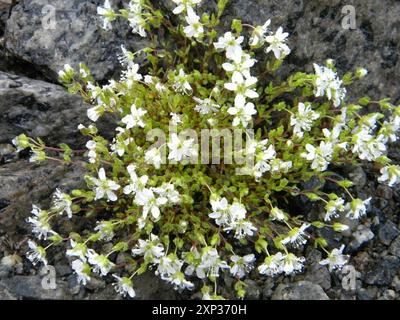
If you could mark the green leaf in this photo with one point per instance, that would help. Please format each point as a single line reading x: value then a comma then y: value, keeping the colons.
x: 345, y: 183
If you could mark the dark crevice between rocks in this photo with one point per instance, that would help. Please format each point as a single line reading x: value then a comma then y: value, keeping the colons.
x: 20, y: 67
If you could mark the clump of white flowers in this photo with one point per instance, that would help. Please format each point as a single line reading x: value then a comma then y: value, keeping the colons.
x: 181, y: 212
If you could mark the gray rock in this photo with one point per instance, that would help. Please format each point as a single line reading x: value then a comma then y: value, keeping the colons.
x: 63, y: 270
x: 388, y: 295
x: 396, y: 283
x: 108, y: 293
x: 39, y: 109
x: 394, y: 248
x: 388, y: 232
x: 268, y: 287
x: 253, y: 291
x: 302, y: 290
x: 316, y: 33
x: 362, y: 235
x: 358, y: 177
x: 319, y: 275
x: 5, y: 294
x: 369, y: 293
x: 95, y: 283
x: 73, y: 285
x: 150, y: 287
x: 5, y: 271
x: 51, y: 33
x: 382, y: 271
x: 24, y: 184
x: 384, y: 192
x: 30, y: 287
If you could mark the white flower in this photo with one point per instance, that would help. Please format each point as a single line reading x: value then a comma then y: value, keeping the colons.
x: 67, y: 72
x: 242, y: 265
x: 131, y: 75
x: 179, y: 281
x: 154, y: 157
x: 335, y: 260
x: 181, y: 84
x: 106, y: 230
x: 94, y: 113
x: 278, y: 214
x: 391, y: 174
x: 100, y: 262
x: 137, y: 184
x: 77, y: 250
x: 242, y: 65
x: 205, y: 106
x: 62, y: 202
x: 167, y: 190
x: 183, y: 5
x: 243, y: 114
x: 175, y: 118
x: 263, y: 160
x: 221, y: 212
x: 242, y: 87
x: 292, y: 264
x: 91, y: 145
x: 108, y: 14
x: 367, y: 146
x: 82, y: 270
x: 150, y: 203
x: 36, y: 254
x: 390, y: 130
x: 332, y: 207
x: 181, y: 149
x: 333, y: 136
x: 136, y: 21
x: 194, y: 28
x: 237, y: 211
x: 210, y: 264
x: 242, y: 228
x: 124, y: 286
x: 40, y: 223
x: 127, y: 57
x: 149, y: 79
x: 320, y: 156
x: 151, y: 249
x: 104, y: 187
x: 328, y: 83
x: 303, y: 119
x: 134, y: 119
x: 168, y: 265
x: 258, y: 35
x: 296, y: 236
x: 119, y: 145
x: 231, y: 44
x: 272, y: 265
x: 160, y: 87
x: 356, y: 208
x: 277, y: 44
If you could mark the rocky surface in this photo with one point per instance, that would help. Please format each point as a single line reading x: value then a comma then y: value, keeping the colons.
x: 302, y: 290
x: 31, y: 53
x: 51, y: 33
x: 316, y: 33
x: 39, y: 109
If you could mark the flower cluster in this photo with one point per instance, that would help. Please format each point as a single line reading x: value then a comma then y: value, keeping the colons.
x: 172, y: 208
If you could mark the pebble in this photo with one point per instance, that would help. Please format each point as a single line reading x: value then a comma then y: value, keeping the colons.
x: 388, y: 232
x: 362, y: 235
x: 301, y: 290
